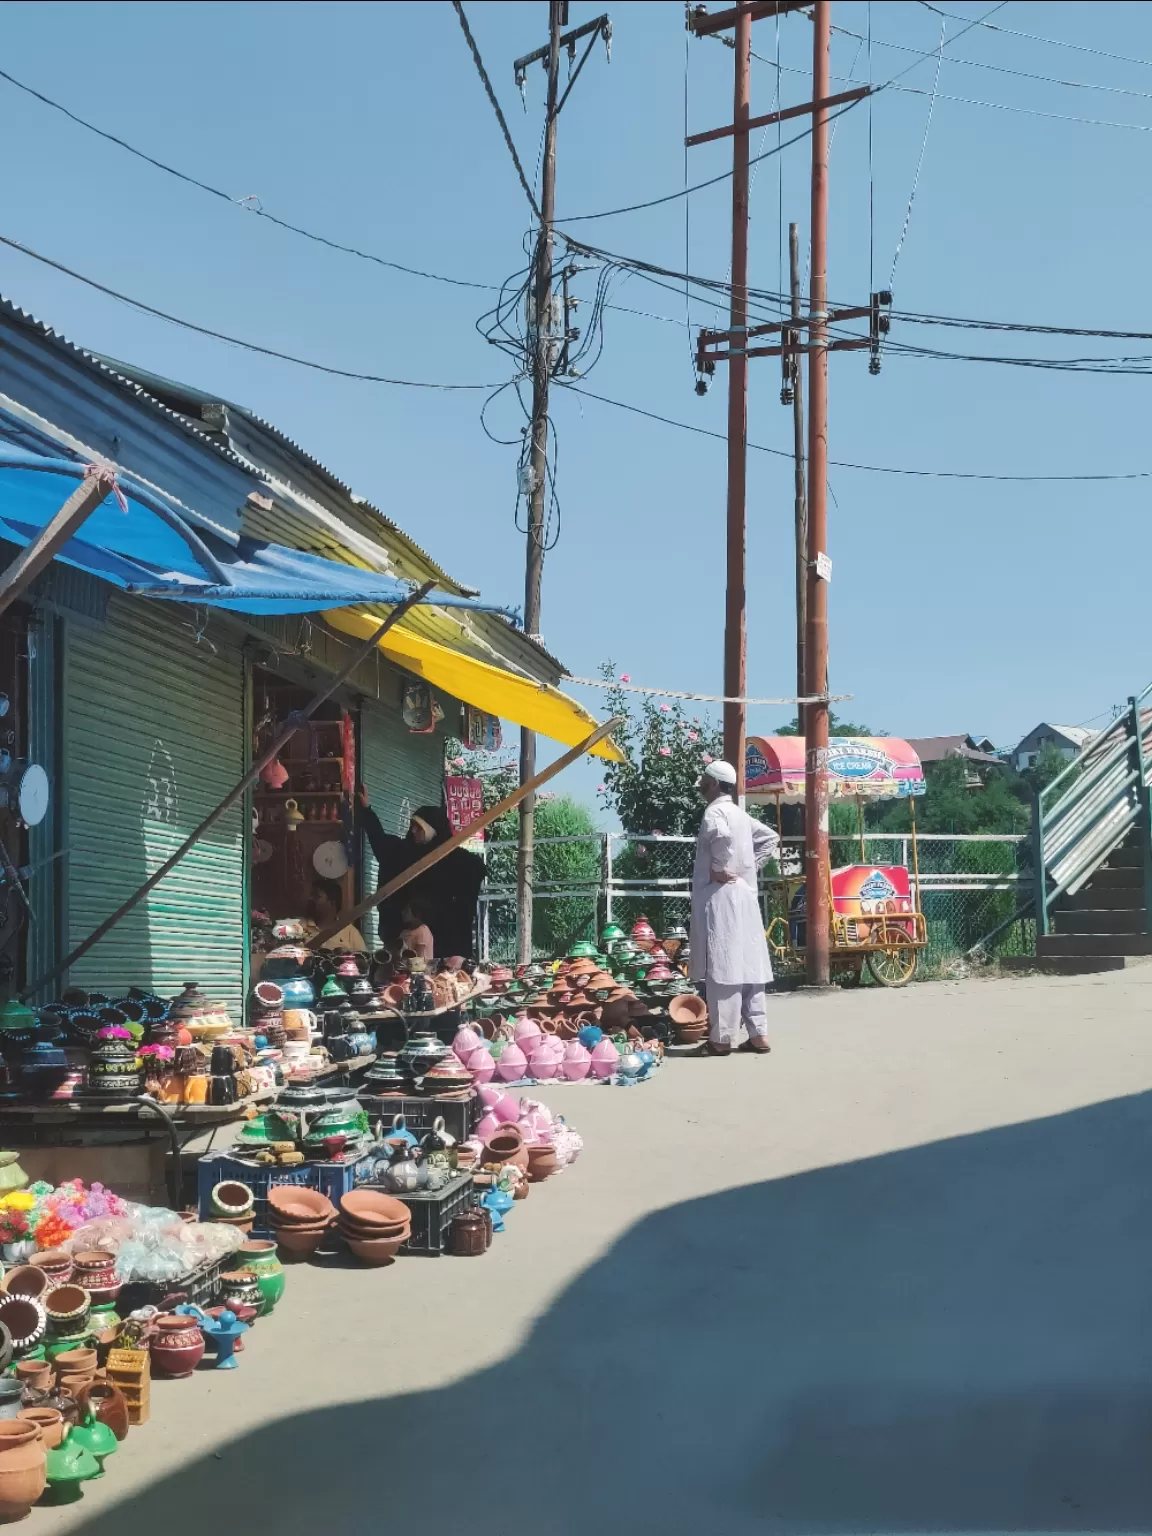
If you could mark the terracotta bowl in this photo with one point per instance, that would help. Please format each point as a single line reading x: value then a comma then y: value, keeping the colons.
x: 378, y: 1252
x: 73, y: 1362
x: 300, y: 1241
x: 354, y: 1232
x: 49, y: 1421
x: 27, y: 1280
x: 298, y: 1204
x: 64, y: 1303
x: 55, y: 1261
x: 369, y: 1207
x: 688, y: 1009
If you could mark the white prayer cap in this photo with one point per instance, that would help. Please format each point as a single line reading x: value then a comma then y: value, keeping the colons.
x: 722, y: 772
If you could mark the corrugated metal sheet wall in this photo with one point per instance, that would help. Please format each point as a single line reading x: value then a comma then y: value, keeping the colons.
x: 43, y: 839
x: 153, y: 739
x: 401, y: 771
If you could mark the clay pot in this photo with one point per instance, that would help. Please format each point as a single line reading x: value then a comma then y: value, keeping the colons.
x: 27, y: 1280
x: 513, y: 1064
x: 55, y: 1263
x: 95, y: 1270
x: 50, y: 1422
x: 35, y: 1375
x: 376, y: 1250
x: 481, y: 1065
x: 577, y: 1062
x: 370, y: 1208
x: 605, y: 1058
x: 23, y: 1467
x: 107, y: 1405
x: 231, y: 1198
x: 177, y: 1345
x: 25, y: 1319
x: 506, y: 1146
x: 68, y: 1308
x: 542, y: 1162
x: 688, y: 1009
x: 290, y: 1205
x: 75, y: 1362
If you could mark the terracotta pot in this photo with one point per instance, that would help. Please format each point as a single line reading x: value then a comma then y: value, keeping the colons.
x: 50, y: 1421
x: 291, y: 1202
x: 299, y: 1242
x: 27, y: 1280
x: 36, y: 1375
x: 370, y: 1208
x: 506, y: 1146
x: 56, y: 1264
x: 68, y: 1308
x: 25, y: 1319
x: 75, y: 1362
x: 688, y: 1009
x: 23, y: 1467
x: 95, y: 1270
x: 107, y: 1404
x: 376, y: 1250
x: 176, y: 1346
x: 542, y: 1162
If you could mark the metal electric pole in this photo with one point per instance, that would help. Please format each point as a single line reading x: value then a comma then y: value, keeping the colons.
x: 542, y: 348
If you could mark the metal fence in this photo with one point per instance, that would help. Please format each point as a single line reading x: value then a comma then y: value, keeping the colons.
x: 968, y: 887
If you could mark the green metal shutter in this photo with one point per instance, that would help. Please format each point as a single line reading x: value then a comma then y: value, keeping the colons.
x: 153, y: 739
x: 401, y: 772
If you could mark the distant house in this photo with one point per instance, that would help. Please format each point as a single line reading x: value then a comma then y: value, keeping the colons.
x: 977, y: 751
x: 1069, y: 741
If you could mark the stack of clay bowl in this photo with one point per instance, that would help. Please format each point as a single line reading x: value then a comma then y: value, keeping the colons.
x: 299, y: 1218
x: 374, y: 1225
x: 689, y: 1016
x: 447, y: 1078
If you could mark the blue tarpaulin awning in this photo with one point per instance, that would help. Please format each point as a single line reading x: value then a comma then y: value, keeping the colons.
x: 158, y: 548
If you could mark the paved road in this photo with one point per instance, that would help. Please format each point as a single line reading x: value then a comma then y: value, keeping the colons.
x: 894, y: 1277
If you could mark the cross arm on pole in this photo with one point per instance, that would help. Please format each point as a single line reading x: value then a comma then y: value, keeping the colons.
x: 704, y: 25
x: 799, y: 110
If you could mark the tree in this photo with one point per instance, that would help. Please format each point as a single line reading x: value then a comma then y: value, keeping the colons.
x: 836, y: 727
x: 665, y: 751
x: 1048, y: 764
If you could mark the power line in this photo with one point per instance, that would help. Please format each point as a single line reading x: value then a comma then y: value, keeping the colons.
x: 1033, y: 37
x: 920, y: 157
x: 500, y: 118
x: 877, y: 469
x: 233, y: 341
x: 246, y: 204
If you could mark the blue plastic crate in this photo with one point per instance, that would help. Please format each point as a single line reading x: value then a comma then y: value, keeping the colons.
x: 331, y: 1179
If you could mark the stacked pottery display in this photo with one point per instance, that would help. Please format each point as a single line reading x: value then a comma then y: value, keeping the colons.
x: 299, y: 1217
x: 375, y: 1226
x: 689, y: 1016
x: 114, y: 1070
x: 95, y: 1270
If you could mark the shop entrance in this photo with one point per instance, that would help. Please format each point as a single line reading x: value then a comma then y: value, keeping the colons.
x: 303, y: 822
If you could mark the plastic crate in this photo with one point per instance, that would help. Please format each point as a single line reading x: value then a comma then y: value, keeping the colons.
x: 201, y: 1288
x: 433, y: 1212
x: 460, y: 1115
x: 331, y: 1179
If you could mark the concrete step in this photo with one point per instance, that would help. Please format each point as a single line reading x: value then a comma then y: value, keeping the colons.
x: 1095, y: 944
x: 1095, y: 898
x: 1070, y: 965
x: 1101, y: 920
x: 1127, y: 856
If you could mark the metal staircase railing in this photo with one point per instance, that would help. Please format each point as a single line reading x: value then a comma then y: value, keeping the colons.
x: 1088, y: 810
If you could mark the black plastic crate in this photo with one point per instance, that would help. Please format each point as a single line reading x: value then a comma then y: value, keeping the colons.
x: 460, y: 1115
x: 433, y: 1212
x: 201, y: 1288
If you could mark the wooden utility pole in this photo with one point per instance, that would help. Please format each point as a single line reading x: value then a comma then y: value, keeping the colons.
x: 794, y: 384
x: 540, y: 346
x: 47, y: 544
x: 817, y: 869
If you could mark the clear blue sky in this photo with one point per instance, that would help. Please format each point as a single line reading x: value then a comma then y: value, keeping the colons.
x: 955, y: 605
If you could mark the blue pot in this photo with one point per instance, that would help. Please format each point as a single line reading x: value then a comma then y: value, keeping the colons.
x: 298, y: 992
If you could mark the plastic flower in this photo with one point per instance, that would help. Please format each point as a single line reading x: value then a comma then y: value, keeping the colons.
x: 599, y: 789
x: 13, y: 1225
x: 693, y: 735
x: 113, y: 1032
x: 158, y: 1053
x: 52, y: 1230
x: 707, y: 757
x: 665, y: 751
x: 19, y: 1200
x: 665, y: 709
x: 625, y: 677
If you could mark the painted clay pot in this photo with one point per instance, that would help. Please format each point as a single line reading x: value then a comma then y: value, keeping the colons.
x: 506, y: 1146
x: 605, y: 1058
x: 95, y: 1270
x: 512, y: 1065
x: 527, y: 1034
x: 487, y: 1126
x: 466, y: 1041
x: 260, y: 1259
x: 508, y: 1109
x: 26, y: 1280
x: 25, y: 1319
x: 543, y: 1064
x: 107, y: 1405
x: 577, y: 1062
x: 481, y: 1065
x: 177, y: 1345
x: 56, y: 1264
x: 241, y: 1286
x: 50, y: 1422
x: 68, y: 1308
x: 23, y: 1467
x: 231, y: 1198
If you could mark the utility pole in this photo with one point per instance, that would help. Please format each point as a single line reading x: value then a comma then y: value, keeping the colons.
x: 793, y: 392
x: 817, y: 868
x: 542, y: 348
x: 734, y: 346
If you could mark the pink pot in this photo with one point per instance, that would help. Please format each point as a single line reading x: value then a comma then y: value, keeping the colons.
x: 512, y: 1064
x: 467, y: 1040
x: 508, y: 1109
x: 537, y: 1126
x: 481, y: 1065
x: 486, y: 1125
x: 605, y: 1058
x: 543, y: 1064
x: 527, y: 1034
x: 577, y: 1062
x: 490, y: 1095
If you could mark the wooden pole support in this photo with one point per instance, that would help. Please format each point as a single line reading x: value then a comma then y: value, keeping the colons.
x: 38, y: 555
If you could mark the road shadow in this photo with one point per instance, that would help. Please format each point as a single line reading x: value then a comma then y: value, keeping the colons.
x: 957, y: 1337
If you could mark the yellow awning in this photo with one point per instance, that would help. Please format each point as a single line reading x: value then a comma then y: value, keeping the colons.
x: 538, y: 706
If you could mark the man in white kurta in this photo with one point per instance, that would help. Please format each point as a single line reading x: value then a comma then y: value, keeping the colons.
x: 729, y: 950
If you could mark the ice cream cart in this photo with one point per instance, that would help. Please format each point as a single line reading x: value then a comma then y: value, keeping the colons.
x: 874, y: 908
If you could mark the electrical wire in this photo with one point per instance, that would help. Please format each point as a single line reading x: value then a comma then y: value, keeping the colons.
x: 1033, y: 37
x: 920, y: 157
x: 500, y: 118
x: 247, y: 205
x: 876, y: 469
x: 233, y: 341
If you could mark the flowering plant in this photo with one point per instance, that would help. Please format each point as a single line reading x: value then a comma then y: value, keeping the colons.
x: 113, y: 1032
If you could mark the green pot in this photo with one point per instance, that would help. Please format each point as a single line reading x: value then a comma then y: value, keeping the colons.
x: 260, y: 1257
x: 582, y: 951
x: 95, y: 1438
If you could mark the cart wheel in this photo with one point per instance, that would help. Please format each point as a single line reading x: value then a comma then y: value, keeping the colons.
x: 893, y: 967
